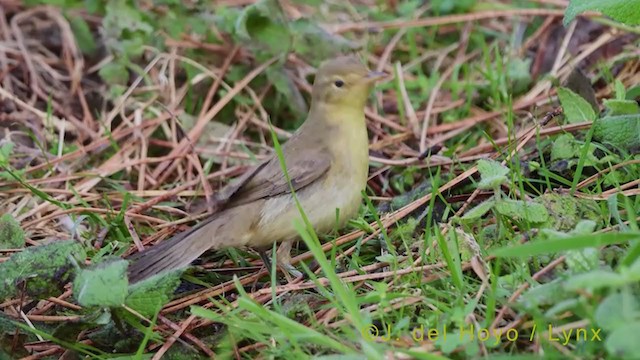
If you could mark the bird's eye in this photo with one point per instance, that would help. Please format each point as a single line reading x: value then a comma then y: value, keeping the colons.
x: 338, y: 83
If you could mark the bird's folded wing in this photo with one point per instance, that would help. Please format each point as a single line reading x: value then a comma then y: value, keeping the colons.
x: 267, y: 179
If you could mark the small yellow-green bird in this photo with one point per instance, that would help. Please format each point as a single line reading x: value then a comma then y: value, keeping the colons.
x: 327, y: 160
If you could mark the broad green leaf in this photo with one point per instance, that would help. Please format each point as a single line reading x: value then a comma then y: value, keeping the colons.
x: 582, y: 260
x: 621, y: 107
x: 585, y: 227
x: 11, y: 234
x: 575, y: 108
x: 543, y: 294
x: 621, y: 92
x: 632, y: 92
x: 388, y: 258
x: 132, y: 47
x: 561, y: 307
x: 624, y: 11
x: 580, y: 84
x: 519, y: 74
x: 631, y: 270
x: 565, y: 147
x: 45, y: 269
x: 315, y: 44
x: 83, y: 34
x: 492, y: 174
x: 441, y: 7
x: 566, y: 212
x: 519, y: 210
x: 122, y: 19
x: 114, y: 73
x: 5, y: 151
x: 279, y: 77
x: 478, y: 211
x: 147, y: 297
x: 552, y: 246
x: 103, y: 284
x: 262, y: 24
x: 616, y: 310
x: 595, y: 279
x: 622, y: 131
x: 623, y: 341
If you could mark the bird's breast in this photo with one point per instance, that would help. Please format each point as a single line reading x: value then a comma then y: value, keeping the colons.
x: 332, y: 199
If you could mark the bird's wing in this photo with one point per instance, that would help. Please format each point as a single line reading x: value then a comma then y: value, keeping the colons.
x: 267, y: 179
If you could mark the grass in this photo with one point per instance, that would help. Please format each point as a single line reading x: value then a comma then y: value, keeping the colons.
x: 517, y: 235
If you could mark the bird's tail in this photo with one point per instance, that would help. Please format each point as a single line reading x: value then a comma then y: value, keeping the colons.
x: 175, y: 253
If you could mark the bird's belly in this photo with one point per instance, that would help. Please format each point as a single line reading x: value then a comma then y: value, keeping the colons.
x: 279, y: 213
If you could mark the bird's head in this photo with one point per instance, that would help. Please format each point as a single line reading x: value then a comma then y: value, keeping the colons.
x: 344, y: 81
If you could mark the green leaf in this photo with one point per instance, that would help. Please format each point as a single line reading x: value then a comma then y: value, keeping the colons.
x: 519, y: 210
x: 633, y: 92
x: 93, y: 6
x: 580, y: 84
x: 565, y: 147
x: 624, y: 11
x: 623, y: 341
x: 315, y: 44
x: 582, y: 260
x: 585, y: 227
x: 563, y: 244
x: 5, y: 152
x: 621, y: 107
x: 132, y: 47
x: 11, y: 234
x: 278, y: 76
x: 492, y: 174
x: 124, y: 31
x: 266, y: 28
x: 616, y: 310
x: 147, y: 297
x: 544, y: 294
x: 576, y: 109
x: 261, y: 23
x: 519, y: 74
x: 595, y: 279
x: 441, y: 7
x: 114, y: 73
x: 83, y: 34
x: 122, y: 19
x: 622, y: 131
x: 621, y: 92
x: 45, y: 269
x: 388, y: 258
x: 103, y: 284
x: 478, y: 211
x: 566, y: 212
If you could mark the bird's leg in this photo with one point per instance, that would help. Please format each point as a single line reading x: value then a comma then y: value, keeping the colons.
x: 283, y: 257
x: 266, y: 261
x: 283, y: 260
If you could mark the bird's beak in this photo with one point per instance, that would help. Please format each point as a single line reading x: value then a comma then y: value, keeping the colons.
x: 374, y: 76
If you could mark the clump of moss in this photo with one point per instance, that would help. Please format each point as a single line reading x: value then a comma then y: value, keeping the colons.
x: 11, y: 234
x: 40, y: 271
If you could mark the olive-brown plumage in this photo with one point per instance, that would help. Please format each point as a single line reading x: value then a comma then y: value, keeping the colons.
x: 327, y: 162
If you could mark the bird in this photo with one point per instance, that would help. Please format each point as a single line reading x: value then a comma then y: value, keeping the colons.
x: 327, y: 161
